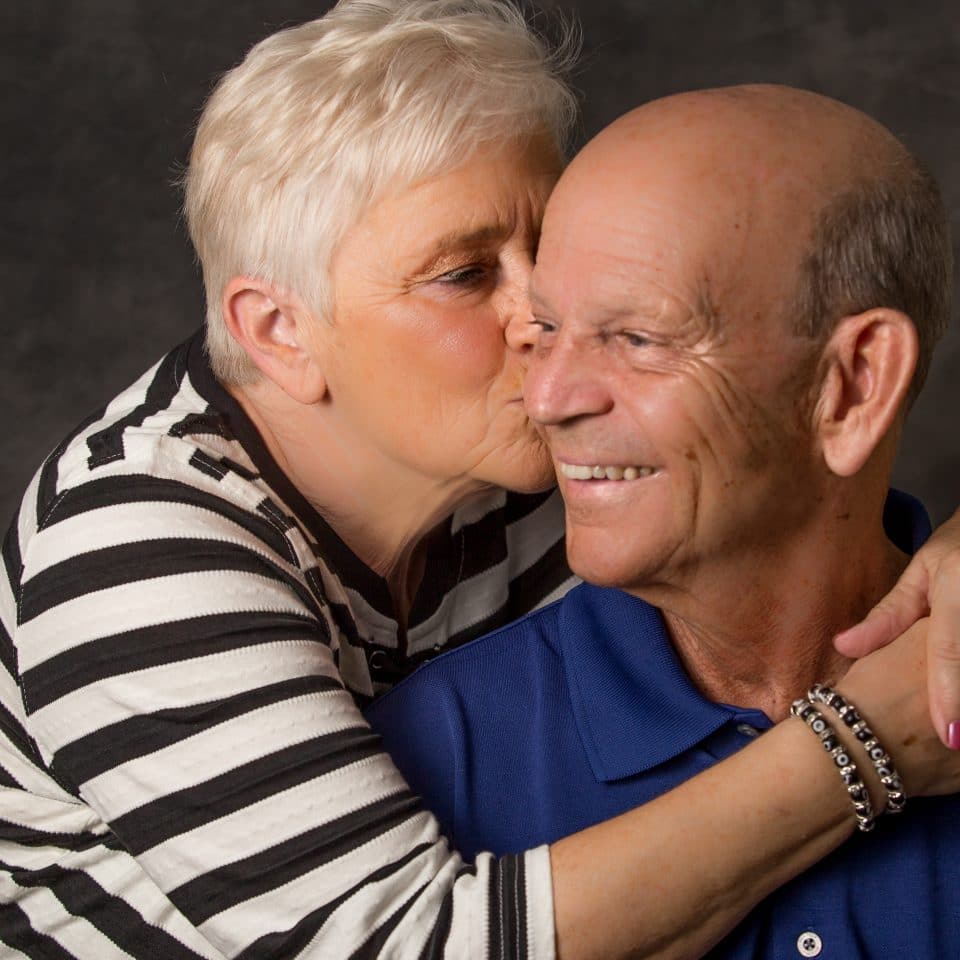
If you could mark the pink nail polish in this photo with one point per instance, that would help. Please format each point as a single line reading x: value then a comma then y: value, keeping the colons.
x: 953, y: 736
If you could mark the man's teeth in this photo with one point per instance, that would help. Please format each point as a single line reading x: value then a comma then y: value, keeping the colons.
x: 576, y: 471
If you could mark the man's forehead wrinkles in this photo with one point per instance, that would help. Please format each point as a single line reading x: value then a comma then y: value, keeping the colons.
x: 707, y: 306
x: 627, y: 293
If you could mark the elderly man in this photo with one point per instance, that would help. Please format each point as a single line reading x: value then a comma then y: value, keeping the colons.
x: 738, y: 293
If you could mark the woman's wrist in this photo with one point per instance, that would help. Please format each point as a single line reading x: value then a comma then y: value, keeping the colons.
x: 842, y: 755
x: 877, y: 757
x: 868, y: 795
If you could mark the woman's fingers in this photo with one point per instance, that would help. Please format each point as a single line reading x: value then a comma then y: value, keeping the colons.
x: 929, y: 585
x: 890, y: 688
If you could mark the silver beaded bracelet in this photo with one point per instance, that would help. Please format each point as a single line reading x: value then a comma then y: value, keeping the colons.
x: 881, y: 760
x: 805, y: 710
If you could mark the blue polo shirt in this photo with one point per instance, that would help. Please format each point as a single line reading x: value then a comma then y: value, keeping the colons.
x: 582, y: 711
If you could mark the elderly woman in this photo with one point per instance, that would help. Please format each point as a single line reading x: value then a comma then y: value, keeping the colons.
x: 209, y: 575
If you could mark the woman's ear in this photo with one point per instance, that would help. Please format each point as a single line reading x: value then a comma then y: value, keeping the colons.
x: 867, y: 366
x: 275, y: 331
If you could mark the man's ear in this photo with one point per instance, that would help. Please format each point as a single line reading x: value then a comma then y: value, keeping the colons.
x: 275, y: 331
x: 867, y: 367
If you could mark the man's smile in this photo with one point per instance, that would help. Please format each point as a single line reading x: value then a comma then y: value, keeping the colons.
x: 579, y: 471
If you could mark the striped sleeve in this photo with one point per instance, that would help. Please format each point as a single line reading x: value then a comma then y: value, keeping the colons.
x: 183, y: 773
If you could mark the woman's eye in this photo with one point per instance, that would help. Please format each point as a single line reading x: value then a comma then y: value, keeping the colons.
x: 635, y: 339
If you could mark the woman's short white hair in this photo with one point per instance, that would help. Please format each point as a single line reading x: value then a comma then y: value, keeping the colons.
x: 298, y: 139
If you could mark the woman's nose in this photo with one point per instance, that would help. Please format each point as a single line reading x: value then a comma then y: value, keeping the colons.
x: 521, y: 332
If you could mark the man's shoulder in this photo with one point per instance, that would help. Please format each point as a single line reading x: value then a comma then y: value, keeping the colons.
x: 520, y: 657
x: 481, y: 664
x: 459, y: 710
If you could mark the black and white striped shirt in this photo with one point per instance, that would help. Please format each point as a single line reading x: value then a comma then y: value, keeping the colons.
x: 184, y: 770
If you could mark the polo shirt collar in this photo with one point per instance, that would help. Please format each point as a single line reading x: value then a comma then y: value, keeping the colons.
x: 634, y: 704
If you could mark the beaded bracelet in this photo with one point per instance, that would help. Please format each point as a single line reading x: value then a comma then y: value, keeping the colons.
x: 804, y: 710
x: 881, y: 760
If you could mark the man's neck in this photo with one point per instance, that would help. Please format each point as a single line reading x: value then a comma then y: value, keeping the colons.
x: 758, y: 632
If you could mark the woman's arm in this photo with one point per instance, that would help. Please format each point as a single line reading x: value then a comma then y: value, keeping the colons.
x: 186, y: 699
x: 183, y: 774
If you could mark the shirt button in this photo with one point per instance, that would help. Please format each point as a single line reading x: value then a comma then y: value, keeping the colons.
x: 809, y: 944
x: 747, y: 730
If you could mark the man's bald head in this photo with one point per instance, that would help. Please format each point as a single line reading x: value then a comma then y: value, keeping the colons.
x: 729, y: 288
x: 754, y: 126
x: 804, y: 204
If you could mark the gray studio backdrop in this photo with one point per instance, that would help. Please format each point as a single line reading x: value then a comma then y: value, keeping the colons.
x: 100, y: 97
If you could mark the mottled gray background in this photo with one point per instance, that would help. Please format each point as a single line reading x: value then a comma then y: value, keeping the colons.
x: 99, y: 97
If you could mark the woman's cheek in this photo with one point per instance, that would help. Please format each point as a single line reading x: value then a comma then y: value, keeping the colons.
x: 472, y: 351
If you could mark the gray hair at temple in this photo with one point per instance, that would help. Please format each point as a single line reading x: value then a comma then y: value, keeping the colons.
x: 884, y: 243
x: 318, y: 120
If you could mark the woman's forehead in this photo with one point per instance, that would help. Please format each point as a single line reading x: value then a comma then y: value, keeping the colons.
x: 477, y: 204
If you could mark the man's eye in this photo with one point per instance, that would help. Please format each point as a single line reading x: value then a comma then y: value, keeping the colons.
x: 635, y: 339
x: 464, y: 276
x: 545, y: 326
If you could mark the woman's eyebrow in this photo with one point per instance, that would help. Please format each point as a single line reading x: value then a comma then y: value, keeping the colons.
x: 443, y: 251
x: 458, y: 239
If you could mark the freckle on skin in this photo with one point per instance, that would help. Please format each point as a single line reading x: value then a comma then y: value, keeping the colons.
x: 843, y: 516
x: 910, y: 740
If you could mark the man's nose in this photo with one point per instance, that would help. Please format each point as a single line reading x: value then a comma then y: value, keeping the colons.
x: 563, y: 384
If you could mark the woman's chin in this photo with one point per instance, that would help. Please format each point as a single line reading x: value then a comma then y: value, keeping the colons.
x: 521, y: 465
x: 533, y: 475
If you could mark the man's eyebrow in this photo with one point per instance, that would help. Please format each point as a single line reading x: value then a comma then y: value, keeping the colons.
x: 536, y: 297
x: 599, y: 315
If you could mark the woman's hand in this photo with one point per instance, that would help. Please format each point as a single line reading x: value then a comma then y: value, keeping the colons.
x: 889, y: 688
x: 929, y: 585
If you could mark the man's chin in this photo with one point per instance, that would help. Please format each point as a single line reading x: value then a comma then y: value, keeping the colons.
x: 609, y: 559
